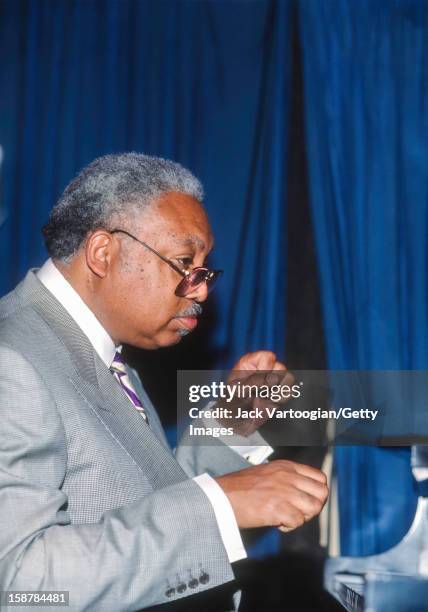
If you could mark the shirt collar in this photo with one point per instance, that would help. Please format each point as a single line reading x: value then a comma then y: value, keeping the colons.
x: 54, y: 281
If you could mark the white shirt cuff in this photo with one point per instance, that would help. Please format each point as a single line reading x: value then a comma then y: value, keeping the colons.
x: 253, y: 448
x: 225, y: 517
x: 254, y: 454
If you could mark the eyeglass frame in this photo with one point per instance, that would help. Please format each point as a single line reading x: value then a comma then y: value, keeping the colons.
x: 210, y: 274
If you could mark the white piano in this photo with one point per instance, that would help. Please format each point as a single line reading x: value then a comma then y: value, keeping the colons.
x: 393, y: 581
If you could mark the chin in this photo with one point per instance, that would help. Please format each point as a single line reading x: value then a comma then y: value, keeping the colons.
x: 173, y: 338
x: 162, y: 341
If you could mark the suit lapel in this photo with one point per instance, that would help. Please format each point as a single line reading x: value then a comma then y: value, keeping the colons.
x: 130, y: 427
x: 93, y: 380
x: 154, y: 421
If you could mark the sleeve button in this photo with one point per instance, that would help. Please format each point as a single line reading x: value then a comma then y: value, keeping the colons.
x: 193, y: 583
x: 170, y: 592
x: 204, y: 578
x: 181, y: 587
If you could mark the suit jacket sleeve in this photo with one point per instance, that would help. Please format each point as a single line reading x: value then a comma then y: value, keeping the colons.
x: 216, y: 458
x: 126, y: 561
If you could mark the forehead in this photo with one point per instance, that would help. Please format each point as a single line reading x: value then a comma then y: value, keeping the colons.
x: 178, y: 219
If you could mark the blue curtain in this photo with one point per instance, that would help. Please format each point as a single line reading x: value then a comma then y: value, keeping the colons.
x: 204, y: 83
x: 366, y: 84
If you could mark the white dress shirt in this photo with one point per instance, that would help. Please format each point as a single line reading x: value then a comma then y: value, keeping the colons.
x: 256, y: 453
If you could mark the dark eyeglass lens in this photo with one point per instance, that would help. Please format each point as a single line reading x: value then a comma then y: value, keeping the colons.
x: 195, y: 279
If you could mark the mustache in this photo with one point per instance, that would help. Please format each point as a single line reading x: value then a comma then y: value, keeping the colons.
x: 195, y: 310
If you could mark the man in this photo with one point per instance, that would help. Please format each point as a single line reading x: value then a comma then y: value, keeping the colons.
x: 92, y: 499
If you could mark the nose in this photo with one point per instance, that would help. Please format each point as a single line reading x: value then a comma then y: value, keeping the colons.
x: 199, y: 293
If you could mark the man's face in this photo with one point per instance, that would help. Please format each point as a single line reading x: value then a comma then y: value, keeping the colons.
x: 143, y: 308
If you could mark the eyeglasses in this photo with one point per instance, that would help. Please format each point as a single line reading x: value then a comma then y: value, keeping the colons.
x: 192, y: 279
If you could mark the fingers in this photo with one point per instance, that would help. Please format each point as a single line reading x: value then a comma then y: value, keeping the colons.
x: 306, y: 498
x: 278, y: 366
x: 256, y: 379
x: 310, y: 472
x: 312, y: 487
x: 291, y: 518
x: 259, y: 360
x: 266, y: 360
x: 305, y: 503
x: 307, y: 493
x: 274, y: 494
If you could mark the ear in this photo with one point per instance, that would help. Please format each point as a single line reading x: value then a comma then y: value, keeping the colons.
x: 99, y: 250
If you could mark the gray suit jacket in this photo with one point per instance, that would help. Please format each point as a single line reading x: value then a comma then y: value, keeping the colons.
x: 92, y: 500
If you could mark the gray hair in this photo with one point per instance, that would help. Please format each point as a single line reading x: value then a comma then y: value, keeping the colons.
x: 107, y: 189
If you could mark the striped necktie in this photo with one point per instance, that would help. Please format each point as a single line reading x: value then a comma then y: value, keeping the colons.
x: 118, y: 370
